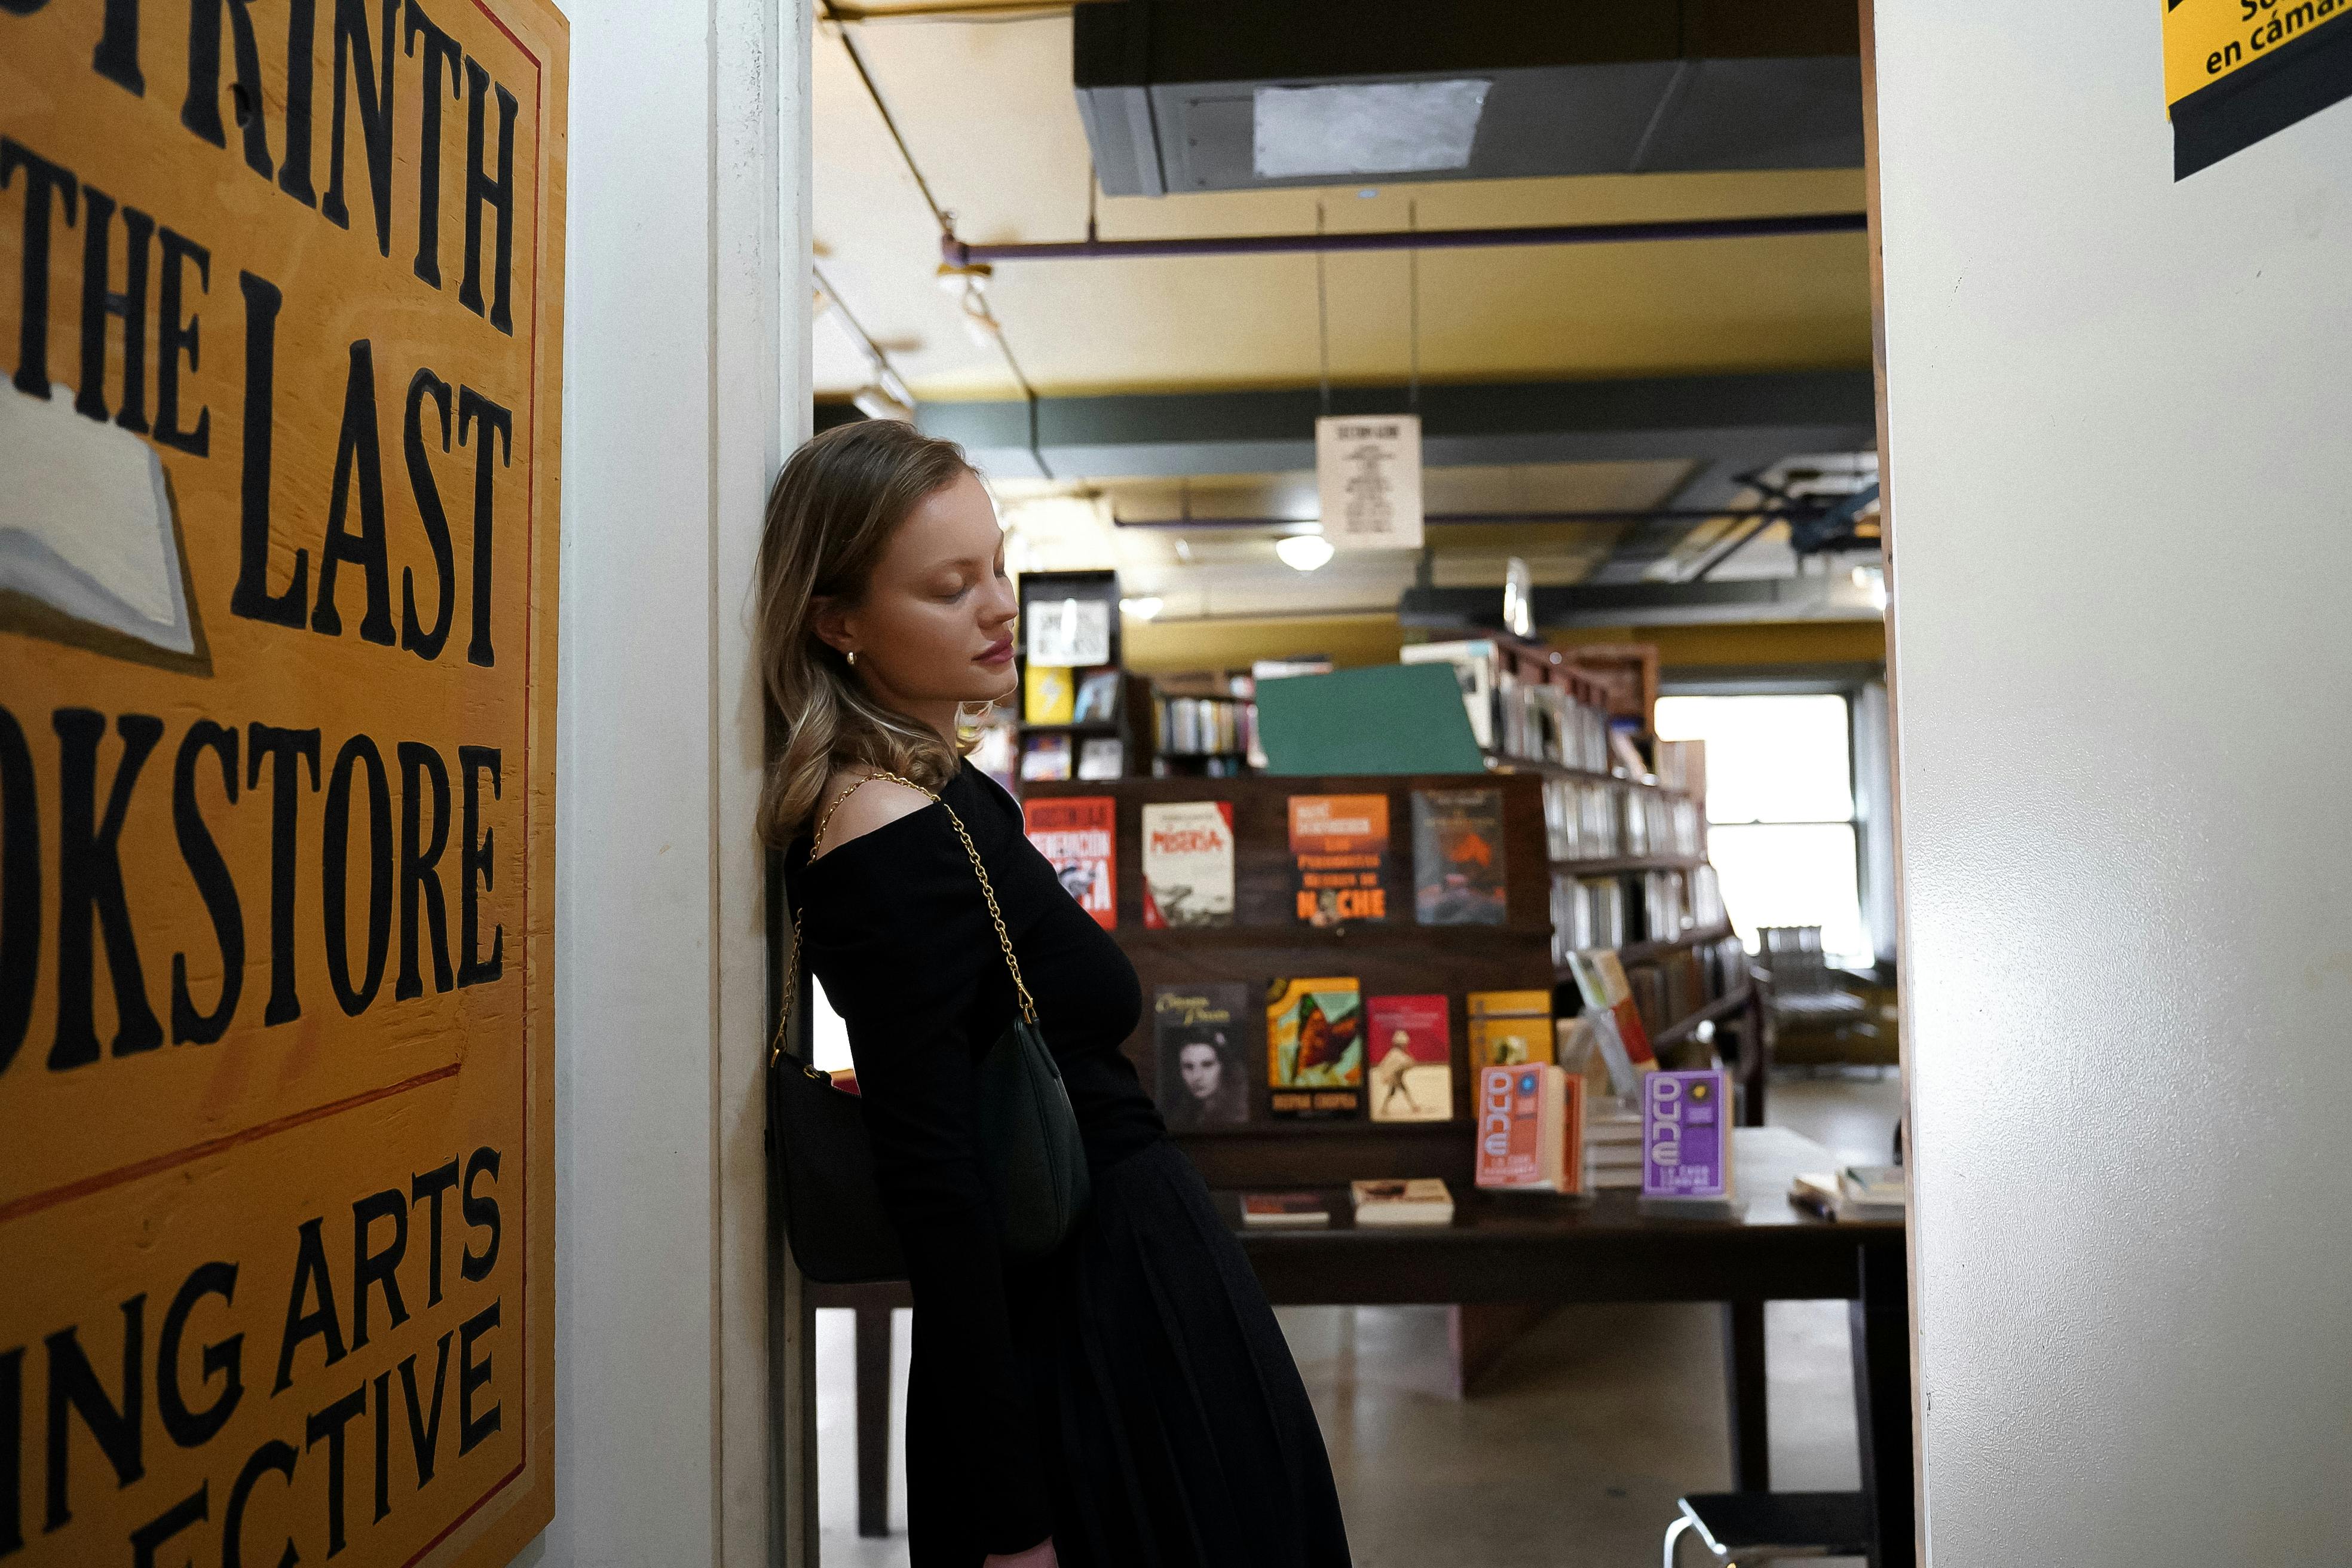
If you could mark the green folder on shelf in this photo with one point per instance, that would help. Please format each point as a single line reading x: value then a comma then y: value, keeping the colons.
x: 1386, y: 719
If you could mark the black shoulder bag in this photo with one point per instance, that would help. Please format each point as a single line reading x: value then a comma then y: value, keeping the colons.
x: 820, y: 1158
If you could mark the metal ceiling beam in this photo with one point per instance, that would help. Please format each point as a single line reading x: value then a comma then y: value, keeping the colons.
x: 960, y: 253
x: 1648, y: 603
x: 1745, y: 421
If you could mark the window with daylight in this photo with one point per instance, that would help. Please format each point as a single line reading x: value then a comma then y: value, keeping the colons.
x: 1781, y: 812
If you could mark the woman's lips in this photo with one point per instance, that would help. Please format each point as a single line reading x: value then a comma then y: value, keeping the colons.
x: 997, y: 653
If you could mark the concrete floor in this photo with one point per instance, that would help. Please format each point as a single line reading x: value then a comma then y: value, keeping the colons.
x: 1572, y: 1451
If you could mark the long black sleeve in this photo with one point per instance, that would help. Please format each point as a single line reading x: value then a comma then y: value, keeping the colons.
x: 908, y: 957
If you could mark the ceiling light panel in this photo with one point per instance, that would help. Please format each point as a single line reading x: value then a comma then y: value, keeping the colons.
x: 1365, y: 128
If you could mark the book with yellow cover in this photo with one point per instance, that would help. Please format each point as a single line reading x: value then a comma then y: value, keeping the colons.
x: 1509, y: 1028
x: 1048, y: 694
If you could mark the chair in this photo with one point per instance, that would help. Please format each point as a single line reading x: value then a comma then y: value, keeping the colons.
x: 1742, y: 1527
x: 1803, y: 992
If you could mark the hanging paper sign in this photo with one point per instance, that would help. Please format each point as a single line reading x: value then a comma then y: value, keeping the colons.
x: 1368, y: 472
x: 282, y: 318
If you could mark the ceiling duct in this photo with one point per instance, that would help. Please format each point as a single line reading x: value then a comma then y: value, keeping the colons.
x: 1222, y: 95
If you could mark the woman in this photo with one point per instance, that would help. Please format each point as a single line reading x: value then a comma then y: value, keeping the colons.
x: 1129, y: 1400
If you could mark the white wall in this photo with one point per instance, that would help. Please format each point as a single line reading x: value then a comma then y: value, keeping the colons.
x: 2122, y: 512
x: 684, y: 379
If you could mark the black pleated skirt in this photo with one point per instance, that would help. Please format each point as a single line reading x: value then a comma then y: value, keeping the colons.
x: 1175, y: 1429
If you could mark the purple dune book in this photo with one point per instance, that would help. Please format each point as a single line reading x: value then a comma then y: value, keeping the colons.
x: 1685, y: 1135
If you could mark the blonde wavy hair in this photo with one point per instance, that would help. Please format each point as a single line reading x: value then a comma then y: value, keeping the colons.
x: 830, y: 517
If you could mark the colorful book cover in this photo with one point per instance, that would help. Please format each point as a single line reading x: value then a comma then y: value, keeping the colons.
x: 1600, y: 980
x: 1341, y: 845
x: 1046, y: 757
x: 1197, y: 1036
x: 1508, y: 1028
x: 1314, y: 1048
x: 1097, y: 698
x: 1457, y: 857
x: 1188, y: 864
x: 1510, y: 1127
x: 1412, y: 1051
x: 1048, y: 695
x: 1686, y: 1135
x: 1074, y: 834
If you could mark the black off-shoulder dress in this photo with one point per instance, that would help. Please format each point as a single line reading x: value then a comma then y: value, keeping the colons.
x: 1131, y: 1396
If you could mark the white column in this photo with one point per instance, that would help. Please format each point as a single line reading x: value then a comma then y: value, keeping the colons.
x: 685, y: 382
x: 2122, y: 513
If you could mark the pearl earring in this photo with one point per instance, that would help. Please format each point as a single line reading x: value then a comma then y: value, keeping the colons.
x: 853, y: 656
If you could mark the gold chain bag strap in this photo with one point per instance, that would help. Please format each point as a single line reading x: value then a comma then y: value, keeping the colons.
x: 822, y: 1158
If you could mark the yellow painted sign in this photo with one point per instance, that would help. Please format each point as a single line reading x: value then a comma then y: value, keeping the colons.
x: 281, y: 311
x: 2207, y: 40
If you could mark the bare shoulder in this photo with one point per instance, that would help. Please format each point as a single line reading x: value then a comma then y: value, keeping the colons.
x: 864, y: 807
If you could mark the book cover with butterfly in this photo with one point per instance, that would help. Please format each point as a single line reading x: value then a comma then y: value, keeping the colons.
x: 1314, y: 1048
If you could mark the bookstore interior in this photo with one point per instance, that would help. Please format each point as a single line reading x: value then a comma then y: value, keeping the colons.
x: 1488, y: 778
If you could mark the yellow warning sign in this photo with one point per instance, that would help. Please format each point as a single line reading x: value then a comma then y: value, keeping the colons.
x: 2207, y: 40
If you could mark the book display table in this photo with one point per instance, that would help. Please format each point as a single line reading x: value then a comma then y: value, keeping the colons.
x: 1543, y: 1251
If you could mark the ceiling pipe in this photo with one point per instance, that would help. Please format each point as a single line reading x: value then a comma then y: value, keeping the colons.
x: 960, y: 253
x: 1435, y: 518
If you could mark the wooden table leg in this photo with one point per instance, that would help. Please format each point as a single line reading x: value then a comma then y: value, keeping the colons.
x: 873, y: 1421
x: 1743, y: 1378
x: 1880, y: 1323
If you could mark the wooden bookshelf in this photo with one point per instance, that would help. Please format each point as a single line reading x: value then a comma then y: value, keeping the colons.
x: 1395, y: 956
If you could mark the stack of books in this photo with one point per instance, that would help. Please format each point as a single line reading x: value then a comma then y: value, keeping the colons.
x: 1423, y: 1200
x: 1612, y: 1147
x: 1853, y: 1192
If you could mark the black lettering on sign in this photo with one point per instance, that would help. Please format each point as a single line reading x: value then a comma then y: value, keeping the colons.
x: 439, y: 49
x: 474, y: 871
x: 334, y: 873
x: 471, y: 1376
x: 414, y: 637
x: 272, y: 1456
x: 20, y: 886
x: 200, y: 112
x: 377, y: 1268
x: 480, y: 190
x: 90, y: 889
x: 174, y: 335
x: 481, y: 1214
x: 225, y: 1359
x: 117, y: 55
x: 329, y: 1424
x: 42, y: 179
x: 420, y: 880
x: 214, y: 885
x: 425, y: 1430
x: 74, y: 1388
x: 99, y: 300
x: 294, y: 171
x: 12, y: 1446
x: 473, y: 407
x: 432, y: 1185
x: 285, y: 748
x: 319, y: 1322
x: 252, y: 598
x: 358, y: 449
x: 383, y: 1445
x: 353, y: 49
x: 154, y: 1535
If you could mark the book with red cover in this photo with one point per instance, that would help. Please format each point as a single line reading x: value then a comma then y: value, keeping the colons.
x: 1285, y: 1209
x: 1074, y: 833
x: 1410, y: 1049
